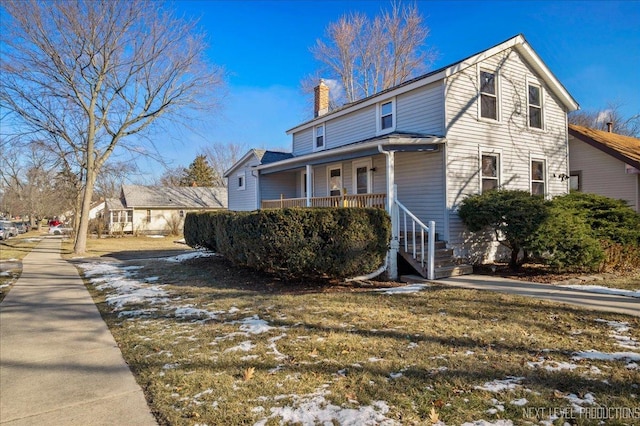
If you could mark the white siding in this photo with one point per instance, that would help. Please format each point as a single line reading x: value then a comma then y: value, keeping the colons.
x: 421, y: 110
x: 303, y: 142
x: 243, y: 199
x: 511, y: 136
x: 272, y: 186
x: 603, y: 174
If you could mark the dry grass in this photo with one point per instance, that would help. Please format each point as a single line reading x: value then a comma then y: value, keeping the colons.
x: 12, y: 251
x: 125, y: 246
x: 424, y: 354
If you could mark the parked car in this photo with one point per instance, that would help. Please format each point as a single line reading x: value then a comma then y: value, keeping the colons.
x: 9, y: 229
x: 60, y: 229
x: 23, y: 227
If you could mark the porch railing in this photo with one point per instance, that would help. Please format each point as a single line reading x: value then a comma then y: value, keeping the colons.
x: 411, y: 227
x: 353, y: 200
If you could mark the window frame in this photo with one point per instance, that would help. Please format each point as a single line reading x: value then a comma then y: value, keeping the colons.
x: 379, y: 116
x: 359, y: 164
x: 498, y: 178
x: 577, y: 174
x: 148, y: 216
x: 496, y: 77
x: 545, y: 176
x: 534, y: 83
x: 329, y: 169
x: 323, y: 136
x: 241, y: 180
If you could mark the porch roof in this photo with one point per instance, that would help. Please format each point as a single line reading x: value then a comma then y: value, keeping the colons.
x: 396, y: 141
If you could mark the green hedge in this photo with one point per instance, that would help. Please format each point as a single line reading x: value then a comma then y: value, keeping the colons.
x: 320, y: 242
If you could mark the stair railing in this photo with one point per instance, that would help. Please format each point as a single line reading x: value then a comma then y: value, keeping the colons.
x: 413, y: 222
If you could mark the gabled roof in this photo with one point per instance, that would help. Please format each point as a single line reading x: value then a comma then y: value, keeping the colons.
x: 188, y: 197
x: 624, y: 148
x: 263, y: 157
x: 518, y: 42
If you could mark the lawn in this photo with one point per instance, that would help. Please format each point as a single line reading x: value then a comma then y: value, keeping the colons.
x: 12, y: 251
x: 219, y: 345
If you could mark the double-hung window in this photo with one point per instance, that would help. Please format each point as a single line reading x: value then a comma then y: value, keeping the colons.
x: 335, y: 181
x: 386, y: 116
x: 318, y: 137
x: 488, y: 95
x: 534, y: 101
x: 538, y: 177
x: 490, y: 172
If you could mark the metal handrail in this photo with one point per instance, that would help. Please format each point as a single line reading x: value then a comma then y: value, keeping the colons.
x: 431, y: 241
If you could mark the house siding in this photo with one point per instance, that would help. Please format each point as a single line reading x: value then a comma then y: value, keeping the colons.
x: 421, y: 110
x: 243, y: 199
x: 603, y: 174
x: 272, y: 186
x: 468, y: 135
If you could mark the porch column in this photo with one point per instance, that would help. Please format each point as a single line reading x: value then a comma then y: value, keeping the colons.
x: 392, y: 256
x: 309, y: 188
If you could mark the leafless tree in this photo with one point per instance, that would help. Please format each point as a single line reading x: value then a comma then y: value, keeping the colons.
x: 222, y: 156
x: 628, y: 126
x: 171, y: 177
x: 88, y: 76
x: 367, y: 56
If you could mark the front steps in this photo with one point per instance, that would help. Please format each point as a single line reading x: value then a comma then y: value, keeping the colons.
x: 445, y: 264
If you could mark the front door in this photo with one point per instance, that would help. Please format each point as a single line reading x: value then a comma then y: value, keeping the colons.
x: 361, y: 176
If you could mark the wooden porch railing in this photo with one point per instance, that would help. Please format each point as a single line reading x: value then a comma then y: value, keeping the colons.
x: 359, y: 200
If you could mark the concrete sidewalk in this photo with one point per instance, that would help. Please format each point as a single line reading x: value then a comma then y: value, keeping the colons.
x: 59, y: 364
x: 588, y: 300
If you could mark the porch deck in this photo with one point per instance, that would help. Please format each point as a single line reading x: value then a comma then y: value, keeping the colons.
x: 360, y: 200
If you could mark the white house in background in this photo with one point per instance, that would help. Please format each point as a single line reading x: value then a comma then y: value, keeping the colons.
x: 497, y: 119
x: 605, y: 163
x: 97, y: 209
x: 155, y: 209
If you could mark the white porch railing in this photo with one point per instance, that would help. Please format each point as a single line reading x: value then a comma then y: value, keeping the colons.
x: 353, y: 200
x: 414, y: 228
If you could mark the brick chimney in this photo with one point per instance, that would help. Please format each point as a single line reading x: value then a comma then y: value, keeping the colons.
x: 321, y: 99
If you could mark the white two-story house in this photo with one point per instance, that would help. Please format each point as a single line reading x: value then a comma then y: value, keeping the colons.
x: 497, y: 119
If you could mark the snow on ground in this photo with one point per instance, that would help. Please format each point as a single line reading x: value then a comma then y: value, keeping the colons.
x: 412, y: 288
x: 314, y: 409
x: 603, y: 290
x: 509, y: 383
x: 191, y: 255
x: 620, y: 334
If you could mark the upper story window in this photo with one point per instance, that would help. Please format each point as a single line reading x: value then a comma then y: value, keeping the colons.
x: 318, y: 137
x: 490, y: 172
x: 386, y: 116
x: 534, y: 100
x: 538, y: 177
x: 242, y: 184
x: 488, y: 95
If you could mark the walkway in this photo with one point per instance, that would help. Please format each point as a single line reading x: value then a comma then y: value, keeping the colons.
x: 588, y: 300
x: 59, y: 364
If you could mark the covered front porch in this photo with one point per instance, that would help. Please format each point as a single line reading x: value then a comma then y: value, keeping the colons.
x: 401, y: 174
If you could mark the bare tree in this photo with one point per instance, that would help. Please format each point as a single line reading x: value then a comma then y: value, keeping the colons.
x: 367, y: 56
x: 90, y: 75
x: 628, y: 126
x: 222, y: 156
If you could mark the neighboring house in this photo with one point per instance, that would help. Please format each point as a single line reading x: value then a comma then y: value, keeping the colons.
x: 497, y: 119
x: 97, y: 209
x: 605, y: 163
x: 157, y: 209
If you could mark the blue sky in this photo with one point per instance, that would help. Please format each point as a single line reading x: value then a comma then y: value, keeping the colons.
x: 593, y: 47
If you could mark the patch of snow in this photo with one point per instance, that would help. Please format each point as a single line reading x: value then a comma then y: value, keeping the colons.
x: 606, y: 356
x: 619, y: 333
x: 191, y: 312
x: 155, y: 236
x: 254, y: 325
x: 487, y: 423
x: 603, y: 290
x: 552, y: 365
x: 315, y: 409
x: 186, y: 256
x: 519, y: 402
x: 412, y: 288
x: 245, y: 346
x: 396, y: 375
x: 510, y: 383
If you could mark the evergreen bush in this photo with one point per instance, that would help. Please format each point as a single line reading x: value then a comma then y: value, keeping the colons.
x: 318, y: 242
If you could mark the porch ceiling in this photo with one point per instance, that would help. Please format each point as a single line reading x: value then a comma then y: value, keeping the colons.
x: 399, y: 142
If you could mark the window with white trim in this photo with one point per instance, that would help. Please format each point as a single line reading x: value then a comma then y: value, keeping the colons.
x: 242, y: 184
x: 538, y: 177
x: 534, y: 101
x: 318, y: 137
x: 361, y: 176
x: 488, y: 95
x: 334, y: 183
x: 575, y: 180
x: 386, y: 116
x: 490, y: 172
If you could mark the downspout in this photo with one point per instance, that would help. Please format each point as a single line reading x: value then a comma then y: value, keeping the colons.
x: 392, y: 255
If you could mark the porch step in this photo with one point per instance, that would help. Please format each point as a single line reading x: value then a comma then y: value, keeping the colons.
x: 445, y: 264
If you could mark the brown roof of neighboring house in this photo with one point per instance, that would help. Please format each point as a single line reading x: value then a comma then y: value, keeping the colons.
x: 624, y: 148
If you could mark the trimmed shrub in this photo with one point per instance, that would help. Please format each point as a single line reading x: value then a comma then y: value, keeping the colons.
x: 514, y: 216
x: 320, y: 242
